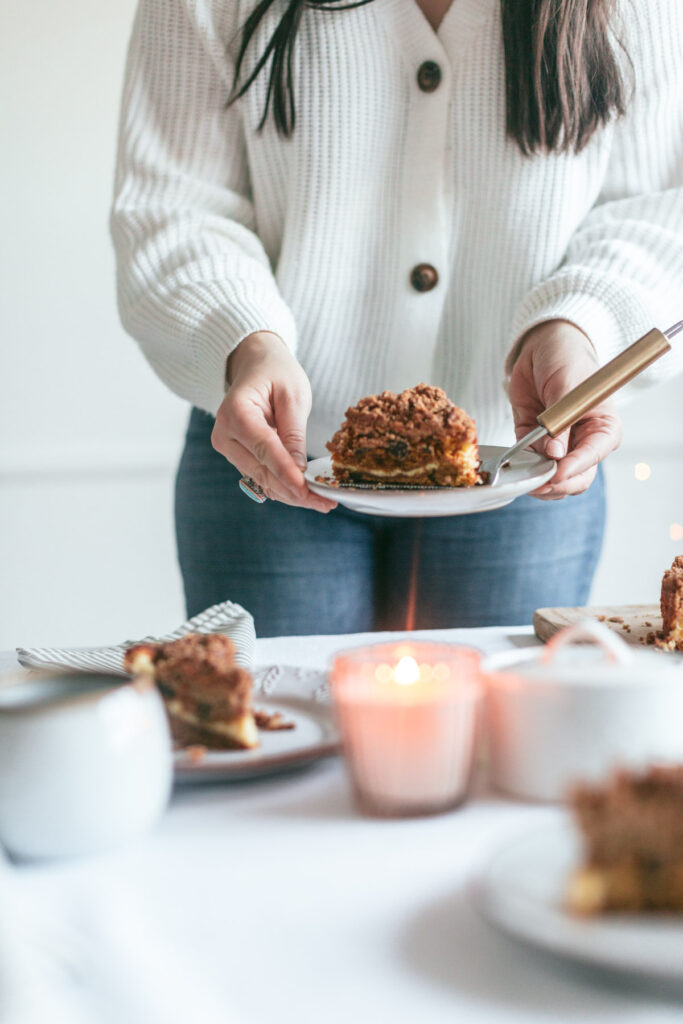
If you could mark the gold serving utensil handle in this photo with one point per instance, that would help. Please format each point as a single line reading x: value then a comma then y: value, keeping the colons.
x: 600, y: 385
x: 608, y: 379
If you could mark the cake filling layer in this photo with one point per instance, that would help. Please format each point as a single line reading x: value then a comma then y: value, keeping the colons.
x: 627, y: 887
x: 242, y: 731
x: 427, y: 467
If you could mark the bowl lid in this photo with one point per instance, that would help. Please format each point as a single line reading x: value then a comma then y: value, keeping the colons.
x: 588, y: 653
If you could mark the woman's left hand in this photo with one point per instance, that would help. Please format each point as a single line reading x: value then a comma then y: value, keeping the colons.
x: 554, y: 358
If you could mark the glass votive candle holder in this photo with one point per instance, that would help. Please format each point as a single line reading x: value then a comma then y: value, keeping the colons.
x: 408, y: 717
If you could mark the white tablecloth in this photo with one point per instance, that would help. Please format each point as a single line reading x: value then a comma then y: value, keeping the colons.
x: 273, y: 901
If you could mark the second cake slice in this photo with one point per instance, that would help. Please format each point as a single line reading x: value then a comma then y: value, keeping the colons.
x: 207, y: 695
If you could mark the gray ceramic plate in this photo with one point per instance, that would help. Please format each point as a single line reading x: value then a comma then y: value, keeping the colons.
x: 526, y: 472
x: 522, y: 892
x: 301, y: 696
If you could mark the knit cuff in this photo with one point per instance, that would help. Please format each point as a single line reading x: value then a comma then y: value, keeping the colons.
x: 221, y: 330
x: 606, y: 310
x: 188, y: 336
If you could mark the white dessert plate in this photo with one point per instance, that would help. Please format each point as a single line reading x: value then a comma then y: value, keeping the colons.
x: 522, y: 892
x: 527, y: 471
x: 301, y: 696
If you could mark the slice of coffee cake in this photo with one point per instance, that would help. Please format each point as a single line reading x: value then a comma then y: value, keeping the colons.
x: 672, y: 606
x: 632, y: 829
x: 416, y: 437
x: 207, y: 696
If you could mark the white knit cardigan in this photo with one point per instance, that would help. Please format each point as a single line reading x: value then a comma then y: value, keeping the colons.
x: 221, y: 230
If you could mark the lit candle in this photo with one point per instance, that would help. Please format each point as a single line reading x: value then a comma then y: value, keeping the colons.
x: 408, y: 714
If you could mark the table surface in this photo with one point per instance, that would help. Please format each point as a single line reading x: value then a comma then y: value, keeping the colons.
x: 275, y: 901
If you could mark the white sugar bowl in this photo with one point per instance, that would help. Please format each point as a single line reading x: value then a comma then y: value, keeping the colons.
x: 573, y: 712
x: 85, y: 762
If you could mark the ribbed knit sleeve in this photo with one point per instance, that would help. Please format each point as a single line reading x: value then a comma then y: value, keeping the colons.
x: 623, y: 270
x: 193, y: 277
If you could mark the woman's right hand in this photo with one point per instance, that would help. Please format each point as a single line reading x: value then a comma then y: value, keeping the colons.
x: 261, y: 423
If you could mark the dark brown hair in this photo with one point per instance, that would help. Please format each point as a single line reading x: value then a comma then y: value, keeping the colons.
x: 562, y: 76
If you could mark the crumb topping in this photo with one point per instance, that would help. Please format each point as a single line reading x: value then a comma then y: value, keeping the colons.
x: 199, y: 670
x: 416, y: 413
x: 636, y: 815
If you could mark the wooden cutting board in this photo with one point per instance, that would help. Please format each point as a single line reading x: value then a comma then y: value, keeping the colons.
x: 631, y: 621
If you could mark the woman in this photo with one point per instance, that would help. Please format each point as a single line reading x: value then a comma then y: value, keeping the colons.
x: 316, y: 201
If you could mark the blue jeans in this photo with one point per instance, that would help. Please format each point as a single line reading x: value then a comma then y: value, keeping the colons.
x: 300, y: 572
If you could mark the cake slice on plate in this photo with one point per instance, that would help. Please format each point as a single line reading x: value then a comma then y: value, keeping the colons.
x: 632, y: 829
x: 207, y: 695
x: 416, y: 437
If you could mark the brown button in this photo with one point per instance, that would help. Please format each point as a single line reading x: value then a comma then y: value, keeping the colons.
x: 424, y: 277
x: 429, y: 76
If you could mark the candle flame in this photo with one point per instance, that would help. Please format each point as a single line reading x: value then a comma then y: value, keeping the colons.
x: 407, y: 671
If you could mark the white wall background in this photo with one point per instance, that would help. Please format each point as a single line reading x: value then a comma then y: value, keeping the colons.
x: 88, y: 436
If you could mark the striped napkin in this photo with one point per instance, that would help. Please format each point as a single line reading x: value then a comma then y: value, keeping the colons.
x: 227, y: 618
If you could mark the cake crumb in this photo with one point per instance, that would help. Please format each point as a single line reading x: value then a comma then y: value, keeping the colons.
x: 195, y: 753
x: 615, y: 618
x: 272, y: 721
x: 602, y: 618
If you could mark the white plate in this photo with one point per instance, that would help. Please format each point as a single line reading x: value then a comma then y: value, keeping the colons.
x: 302, y: 697
x: 522, y: 892
x: 527, y: 471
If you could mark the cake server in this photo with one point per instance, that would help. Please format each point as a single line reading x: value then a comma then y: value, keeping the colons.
x: 595, y: 389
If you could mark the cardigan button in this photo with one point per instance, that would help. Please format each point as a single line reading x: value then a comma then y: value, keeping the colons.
x: 429, y: 76
x: 424, y: 277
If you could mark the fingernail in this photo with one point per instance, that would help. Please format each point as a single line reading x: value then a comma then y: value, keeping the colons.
x: 555, y: 449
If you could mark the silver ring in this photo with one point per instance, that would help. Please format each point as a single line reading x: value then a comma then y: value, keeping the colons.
x: 252, y: 490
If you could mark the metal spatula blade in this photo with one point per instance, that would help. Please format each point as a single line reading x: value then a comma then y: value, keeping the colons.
x: 595, y: 389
